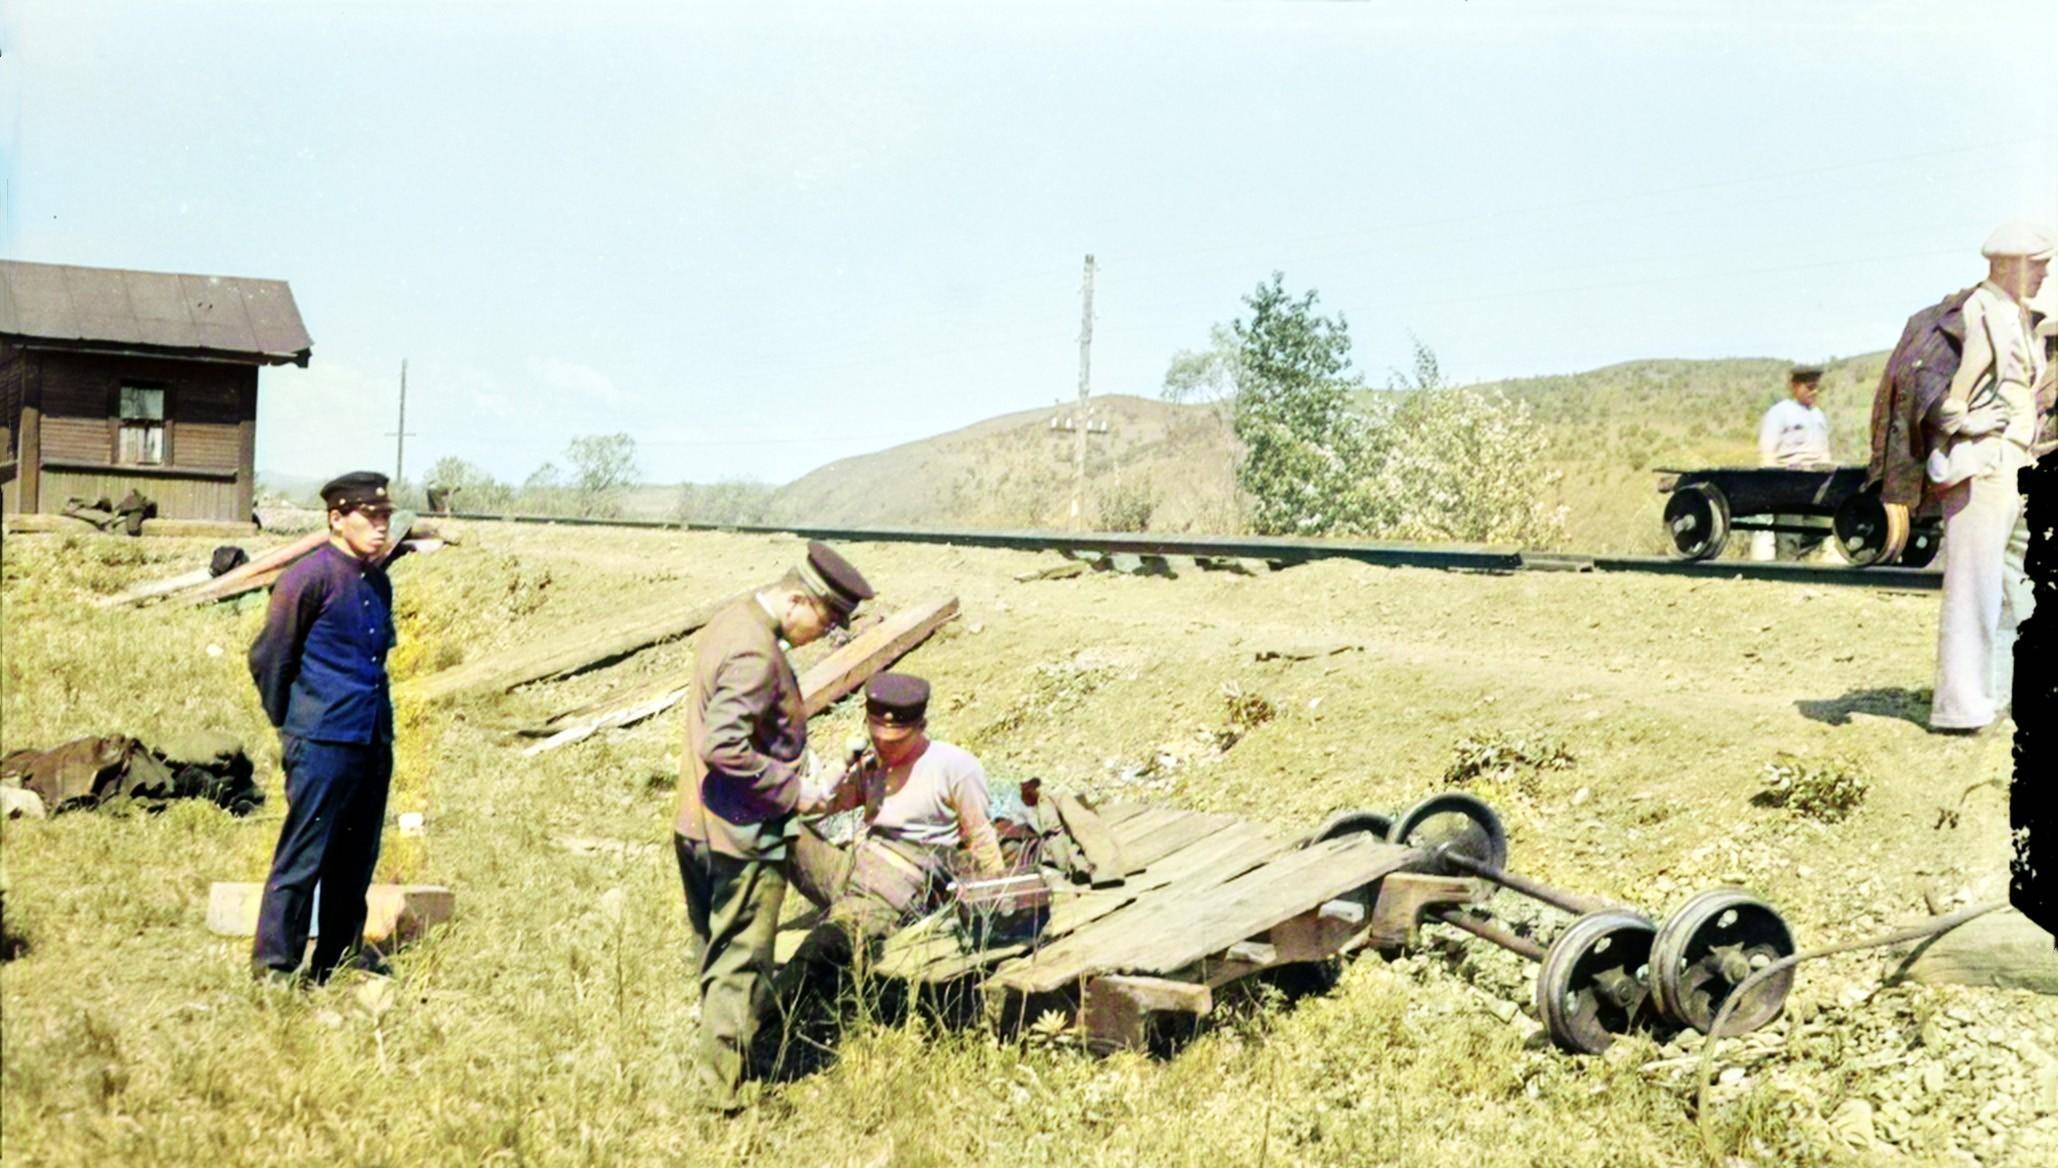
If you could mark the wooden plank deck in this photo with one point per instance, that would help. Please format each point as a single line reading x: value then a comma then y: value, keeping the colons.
x: 1198, y: 886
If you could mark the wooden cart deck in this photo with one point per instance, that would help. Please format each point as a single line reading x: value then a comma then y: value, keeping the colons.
x: 1206, y: 900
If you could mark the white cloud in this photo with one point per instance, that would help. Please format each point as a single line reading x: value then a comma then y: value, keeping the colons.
x: 583, y: 383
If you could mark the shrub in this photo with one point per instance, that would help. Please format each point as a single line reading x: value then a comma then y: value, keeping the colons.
x: 1828, y: 791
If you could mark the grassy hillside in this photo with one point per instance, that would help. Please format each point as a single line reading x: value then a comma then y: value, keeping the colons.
x: 1607, y: 431
x: 1611, y: 427
x: 1170, y: 465
x: 547, y: 1024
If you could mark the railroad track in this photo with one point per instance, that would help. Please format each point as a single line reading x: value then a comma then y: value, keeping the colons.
x: 1285, y: 552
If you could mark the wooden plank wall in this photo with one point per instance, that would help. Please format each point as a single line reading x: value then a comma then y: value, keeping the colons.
x: 11, y: 365
x: 176, y: 498
x: 210, y: 409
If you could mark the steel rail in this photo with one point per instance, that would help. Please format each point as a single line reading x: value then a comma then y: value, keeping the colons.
x: 1281, y: 551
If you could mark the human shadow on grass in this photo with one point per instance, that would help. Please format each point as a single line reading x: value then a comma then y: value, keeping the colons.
x: 1908, y: 705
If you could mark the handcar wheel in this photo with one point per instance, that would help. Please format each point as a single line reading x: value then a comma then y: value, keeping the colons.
x: 1707, y: 948
x: 1863, y: 532
x: 1923, y: 541
x: 1456, y: 822
x: 1697, y: 520
x: 1595, y: 980
x: 1343, y: 823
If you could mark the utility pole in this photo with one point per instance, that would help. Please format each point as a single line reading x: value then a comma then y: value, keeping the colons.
x: 400, y: 435
x: 1085, y: 388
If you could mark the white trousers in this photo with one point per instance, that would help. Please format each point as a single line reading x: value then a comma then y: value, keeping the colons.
x: 1979, y: 517
x: 2017, y: 599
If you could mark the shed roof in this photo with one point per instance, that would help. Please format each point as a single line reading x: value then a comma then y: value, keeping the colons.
x: 254, y: 320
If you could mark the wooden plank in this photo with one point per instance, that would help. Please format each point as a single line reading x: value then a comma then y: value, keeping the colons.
x: 566, y: 653
x: 843, y: 671
x: 151, y: 589
x: 1163, y: 841
x: 1138, y: 827
x: 1258, y: 900
x: 2003, y: 949
x: 1097, y: 844
x: 1220, y: 856
x: 1119, y: 810
x: 258, y: 573
x: 836, y: 675
x: 1215, y: 860
x: 1115, y: 1011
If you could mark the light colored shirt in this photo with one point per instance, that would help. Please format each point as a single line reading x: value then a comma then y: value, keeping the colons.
x: 924, y: 805
x: 2000, y: 345
x: 1794, y: 436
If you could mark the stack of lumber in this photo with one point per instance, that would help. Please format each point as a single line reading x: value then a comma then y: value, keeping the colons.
x: 836, y: 676
x: 572, y: 651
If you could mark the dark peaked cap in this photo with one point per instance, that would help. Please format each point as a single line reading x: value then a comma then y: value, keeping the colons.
x: 831, y: 577
x: 359, y: 488
x: 897, y: 699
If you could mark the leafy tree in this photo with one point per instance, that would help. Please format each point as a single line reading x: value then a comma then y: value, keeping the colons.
x: 543, y: 492
x: 728, y: 501
x: 1207, y: 375
x: 468, y: 487
x: 1292, y: 412
x: 603, y: 465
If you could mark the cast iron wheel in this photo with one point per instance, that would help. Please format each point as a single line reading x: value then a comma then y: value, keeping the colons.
x: 1707, y: 948
x: 1697, y: 520
x: 1923, y: 541
x: 1595, y: 980
x: 1344, y: 823
x: 1860, y: 525
x: 1457, y: 822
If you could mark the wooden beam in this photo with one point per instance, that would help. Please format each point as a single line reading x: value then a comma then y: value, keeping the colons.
x: 246, y: 444
x: 1115, y: 1011
x: 566, y: 653
x: 1097, y: 844
x: 260, y: 572
x: 834, y: 676
x: 1403, y: 898
x: 2002, y: 949
x: 843, y: 671
x: 28, y: 444
x: 1252, y: 953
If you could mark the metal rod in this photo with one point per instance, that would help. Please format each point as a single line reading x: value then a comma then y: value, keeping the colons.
x: 1571, y: 902
x: 1488, y: 931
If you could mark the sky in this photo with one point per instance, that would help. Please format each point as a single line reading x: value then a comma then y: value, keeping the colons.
x: 761, y: 237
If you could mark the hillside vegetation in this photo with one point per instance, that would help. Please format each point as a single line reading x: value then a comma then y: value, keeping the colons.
x: 1606, y: 430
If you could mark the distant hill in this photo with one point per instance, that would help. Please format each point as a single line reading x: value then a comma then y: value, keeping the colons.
x: 1608, y: 431
x: 1169, y: 466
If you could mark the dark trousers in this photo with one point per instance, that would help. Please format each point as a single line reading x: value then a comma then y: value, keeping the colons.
x: 734, y: 907
x: 335, y: 809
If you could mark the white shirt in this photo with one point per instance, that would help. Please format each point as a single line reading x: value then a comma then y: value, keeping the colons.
x: 1794, y: 436
x: 2018, y: 361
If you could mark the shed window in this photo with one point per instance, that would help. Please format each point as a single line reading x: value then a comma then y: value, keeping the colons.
x: 142, y: 425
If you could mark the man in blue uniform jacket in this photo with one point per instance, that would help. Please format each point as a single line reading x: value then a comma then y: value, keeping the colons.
x: 320, y: 668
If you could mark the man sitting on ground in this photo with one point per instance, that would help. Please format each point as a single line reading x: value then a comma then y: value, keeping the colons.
x: 922, y: 802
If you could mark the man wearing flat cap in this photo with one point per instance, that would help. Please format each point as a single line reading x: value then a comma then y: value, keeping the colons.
x: 320, y: 669
x: 1794, y: 434
x: 926, y: 812
x: 746, y: 770
x: 1983, y: 431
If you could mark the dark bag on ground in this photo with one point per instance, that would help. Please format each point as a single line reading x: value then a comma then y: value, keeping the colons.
x: 227, y: 558
x: 92, y: 772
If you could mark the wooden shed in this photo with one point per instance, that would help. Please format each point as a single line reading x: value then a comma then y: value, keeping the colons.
x: 114, y: 380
